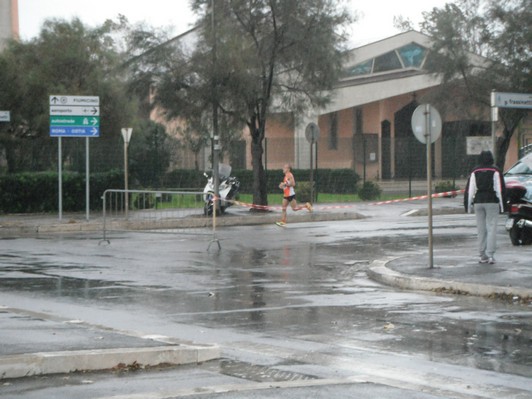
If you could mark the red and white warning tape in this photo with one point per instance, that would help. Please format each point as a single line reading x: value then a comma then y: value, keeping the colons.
x: 263, y: 207
x: 421, y: 197
x: 437, y: 195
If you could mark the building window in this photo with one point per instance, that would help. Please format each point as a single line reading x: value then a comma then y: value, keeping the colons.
x: 412, y: 55
x: 333, y: 131
x: 387, y: 62
x: 364, y: 68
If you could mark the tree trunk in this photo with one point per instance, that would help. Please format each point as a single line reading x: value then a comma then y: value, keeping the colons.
x: 11, y: 156
x: 511, y: 118
x: 260, y: 192
x: 502, y: 144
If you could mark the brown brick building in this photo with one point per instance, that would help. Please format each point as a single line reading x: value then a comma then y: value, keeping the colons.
x: 9, y: 28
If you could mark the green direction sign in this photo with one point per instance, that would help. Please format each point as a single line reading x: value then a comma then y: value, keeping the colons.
x: 75, y: 121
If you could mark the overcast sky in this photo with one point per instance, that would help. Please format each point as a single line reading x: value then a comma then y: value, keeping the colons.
x: 376, y: 20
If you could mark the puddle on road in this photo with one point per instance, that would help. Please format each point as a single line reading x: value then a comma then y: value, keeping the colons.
x: 62, y: 286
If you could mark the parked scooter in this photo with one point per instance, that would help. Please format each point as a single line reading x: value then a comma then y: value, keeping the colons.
x: 519, y: 222
x: 228, y: 189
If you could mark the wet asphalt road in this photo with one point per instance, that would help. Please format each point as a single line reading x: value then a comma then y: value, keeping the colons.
x: 289, y: 307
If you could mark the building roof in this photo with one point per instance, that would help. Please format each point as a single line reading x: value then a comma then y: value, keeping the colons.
x: 383, y: 69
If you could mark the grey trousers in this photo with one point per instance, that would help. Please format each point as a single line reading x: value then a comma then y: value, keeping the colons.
x: 487, y: 216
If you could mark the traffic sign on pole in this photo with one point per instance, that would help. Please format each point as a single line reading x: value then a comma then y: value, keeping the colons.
x: 74, y: 116
x: 5, y: 116
x: 75, y: 120
x: 511, y: 100
x: 74, y: 100
x: 74, y: 131
x: 74, y: 110
x: 426, y: 122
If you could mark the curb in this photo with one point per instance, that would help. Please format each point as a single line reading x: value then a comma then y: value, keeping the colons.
x: 379, y: 272
x: 42, y: 363
x: 123, y: 225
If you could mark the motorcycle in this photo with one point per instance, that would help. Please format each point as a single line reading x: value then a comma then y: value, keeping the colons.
x: 228, y: 189
x: 519, y: 222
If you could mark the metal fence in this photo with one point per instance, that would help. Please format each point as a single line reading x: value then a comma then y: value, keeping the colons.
x: 176, y: 212
x: 527, y: 149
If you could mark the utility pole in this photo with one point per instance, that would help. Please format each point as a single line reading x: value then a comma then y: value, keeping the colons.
x: 215, y: 143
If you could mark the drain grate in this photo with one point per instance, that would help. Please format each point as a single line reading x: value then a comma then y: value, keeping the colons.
x: 257, y: 373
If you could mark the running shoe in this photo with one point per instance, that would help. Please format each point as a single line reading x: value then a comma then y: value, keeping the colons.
x: 280, y: 224
x: 308, y: 205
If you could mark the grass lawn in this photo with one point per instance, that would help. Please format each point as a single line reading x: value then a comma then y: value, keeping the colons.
x: 323, y: 198
x: 196, y: 201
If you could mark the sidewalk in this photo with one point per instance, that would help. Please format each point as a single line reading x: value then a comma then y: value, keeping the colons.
x: 38, y: 344
x: 454, y: 272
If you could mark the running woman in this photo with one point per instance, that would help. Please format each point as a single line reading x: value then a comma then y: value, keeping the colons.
x: 289, y: 195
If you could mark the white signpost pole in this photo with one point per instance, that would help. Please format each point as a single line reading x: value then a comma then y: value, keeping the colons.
x: 429, y: 180
x: 126, y: 135
x: 60, y: 179
x: 494, y: 118
x: 426, y: 125
x: 87, y: 179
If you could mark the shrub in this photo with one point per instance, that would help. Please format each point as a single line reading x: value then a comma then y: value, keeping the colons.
x: 369, y: 191
x: 444, y: 186
x: 303, y: 192
x: 38, y: 192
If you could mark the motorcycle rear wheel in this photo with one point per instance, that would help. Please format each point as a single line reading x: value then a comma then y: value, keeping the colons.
x: 520, y: 236
x: 207, y: 209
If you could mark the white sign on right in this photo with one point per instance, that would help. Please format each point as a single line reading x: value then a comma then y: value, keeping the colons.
x: 5, y: 116
x: 512, y: 100
x: 477, y: 144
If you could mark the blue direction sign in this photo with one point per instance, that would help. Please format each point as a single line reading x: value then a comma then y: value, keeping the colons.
x: 74, y: 131
x: 74, y: 116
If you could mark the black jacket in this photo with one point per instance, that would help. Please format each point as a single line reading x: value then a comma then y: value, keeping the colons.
x: 485, y: 185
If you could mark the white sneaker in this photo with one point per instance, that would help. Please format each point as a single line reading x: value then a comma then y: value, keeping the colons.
x: 483, y: 259
x: 491, y: 261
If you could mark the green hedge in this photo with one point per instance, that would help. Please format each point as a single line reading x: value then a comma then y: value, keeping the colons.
x: 333, y: 181
x: 38, y: 192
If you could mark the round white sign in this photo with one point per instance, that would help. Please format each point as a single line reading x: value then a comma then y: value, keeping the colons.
x: 312, y: 132
x: 426, y: 121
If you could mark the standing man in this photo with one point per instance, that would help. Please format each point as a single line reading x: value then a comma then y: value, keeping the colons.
x: 484, y: 193
x: 289, y: 194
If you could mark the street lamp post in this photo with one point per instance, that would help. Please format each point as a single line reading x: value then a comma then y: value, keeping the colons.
x: 126, y: 135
